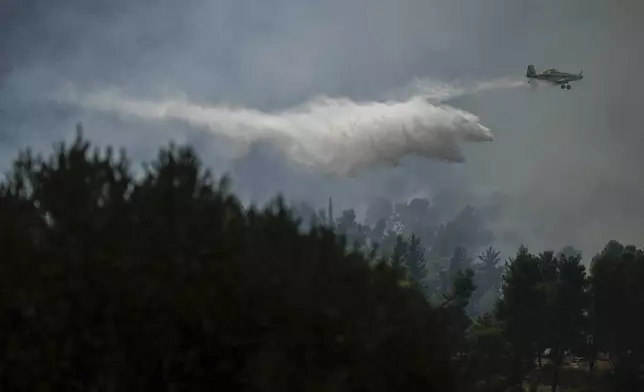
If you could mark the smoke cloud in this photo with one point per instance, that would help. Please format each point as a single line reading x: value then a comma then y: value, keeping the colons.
x: 330, y: 135
x: 566, y: 162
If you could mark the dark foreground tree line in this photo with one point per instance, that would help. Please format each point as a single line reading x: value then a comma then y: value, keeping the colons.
x: 165, y: 282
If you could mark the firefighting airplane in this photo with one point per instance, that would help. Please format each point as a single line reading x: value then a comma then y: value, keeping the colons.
x: 553, y: 76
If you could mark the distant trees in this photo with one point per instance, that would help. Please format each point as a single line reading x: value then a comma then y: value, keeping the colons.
x: 399, y: 253
x: 488, y: 272
x: 419, y: 217
x: 415, y: 258
x: 506, y: 321
x: 412, y: 234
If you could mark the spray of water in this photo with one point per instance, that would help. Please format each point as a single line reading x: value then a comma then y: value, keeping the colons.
x: 439, y: 92
x: 329, y: 135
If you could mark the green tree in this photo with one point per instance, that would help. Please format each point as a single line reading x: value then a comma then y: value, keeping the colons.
x: 415, y: 260
x: 399, y: 254
x: 489, y: 269
x: 566, y: 312
x: 521, y: 310
x: 488, y: 272
x: 490, y: 355
x: 347, y: 226
x: 616, y: 280
x: 456, y: 318
x: 548, y: 265
x: 548, y: 279
x: 458, y: 262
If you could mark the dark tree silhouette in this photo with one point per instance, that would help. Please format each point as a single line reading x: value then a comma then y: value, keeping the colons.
x: 458, y: 262
x: 164, y: 282
x: 489, y: 357
x: 487, y: 276
x: 616, y: 279
x: 399, y: 254
x: 521, y: 309
x: 566, y: 318
x: 415, y: 259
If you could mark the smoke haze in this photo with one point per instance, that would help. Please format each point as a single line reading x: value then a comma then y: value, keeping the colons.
x: 567, y: 162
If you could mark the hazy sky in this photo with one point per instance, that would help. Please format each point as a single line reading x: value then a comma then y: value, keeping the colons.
x: 570, y: 159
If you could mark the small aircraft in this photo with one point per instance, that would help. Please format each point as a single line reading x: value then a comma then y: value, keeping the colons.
x: 553, y: 76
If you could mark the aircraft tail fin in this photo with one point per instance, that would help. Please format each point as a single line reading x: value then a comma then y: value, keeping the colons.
x: 531, y: 71
x: 581, y: 72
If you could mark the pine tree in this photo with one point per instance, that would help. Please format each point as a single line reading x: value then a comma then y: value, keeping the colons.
x: 399, y: 253
x: 415, y: 260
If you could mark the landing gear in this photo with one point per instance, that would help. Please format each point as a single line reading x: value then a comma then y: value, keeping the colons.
x: 565, y: 86
x: 568, y: 87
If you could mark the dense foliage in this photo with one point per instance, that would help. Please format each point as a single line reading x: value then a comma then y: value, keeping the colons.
x: 163, y: 281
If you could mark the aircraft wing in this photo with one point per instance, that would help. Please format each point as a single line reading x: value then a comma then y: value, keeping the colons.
x: 559, y: 80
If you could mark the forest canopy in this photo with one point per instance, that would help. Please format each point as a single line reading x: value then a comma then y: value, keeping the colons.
x: 164, y: 281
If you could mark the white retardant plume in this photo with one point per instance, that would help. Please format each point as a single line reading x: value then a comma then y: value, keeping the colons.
x: 437, y: 92
x: 329, y: 135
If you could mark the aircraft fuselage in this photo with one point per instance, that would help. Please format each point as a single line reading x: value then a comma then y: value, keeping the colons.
x: 553, y: 76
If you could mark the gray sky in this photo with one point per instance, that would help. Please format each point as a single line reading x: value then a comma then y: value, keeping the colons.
x: 570, y: 159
